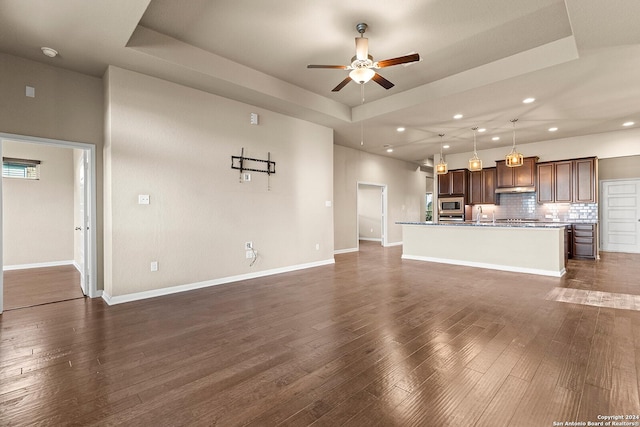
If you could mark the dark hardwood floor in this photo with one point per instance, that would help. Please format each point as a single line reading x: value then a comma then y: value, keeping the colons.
x: 370, y: 341
x: 36, y: 286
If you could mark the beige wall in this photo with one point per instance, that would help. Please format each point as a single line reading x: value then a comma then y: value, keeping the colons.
x: 38, y: 214
x: 68, y: 106
x: 175, y: 144
x: 405, y: 193
x: 627, y: 167
x: 602, y: 145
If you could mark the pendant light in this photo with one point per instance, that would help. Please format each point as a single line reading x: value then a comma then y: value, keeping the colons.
x: 514, y: 159
x: 475, y: 164
x: 441, y: 167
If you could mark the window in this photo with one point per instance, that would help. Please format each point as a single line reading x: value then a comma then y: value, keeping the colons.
x: 20, y: 168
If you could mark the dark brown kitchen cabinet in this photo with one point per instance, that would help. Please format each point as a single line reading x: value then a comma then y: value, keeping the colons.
x: 584, y: 180
x: 482, y: 187
x: 555, y: 182
x: 567, y: 181
x: 584, y: 242
x: 453, y: 183
x: 521, y: 176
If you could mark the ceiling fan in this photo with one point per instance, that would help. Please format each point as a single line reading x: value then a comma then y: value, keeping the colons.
x: 362, y: 65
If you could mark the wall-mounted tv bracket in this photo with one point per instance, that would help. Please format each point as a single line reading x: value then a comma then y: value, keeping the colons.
x: 243, y: 164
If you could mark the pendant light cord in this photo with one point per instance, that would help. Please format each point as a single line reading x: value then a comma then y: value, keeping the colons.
x: 362, y: 121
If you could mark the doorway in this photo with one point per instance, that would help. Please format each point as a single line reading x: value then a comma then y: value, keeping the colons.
x: 81, y: 234
x: 620, y: 227
x: 371, y: 213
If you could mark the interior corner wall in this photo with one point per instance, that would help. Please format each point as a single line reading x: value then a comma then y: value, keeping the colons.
x: 176, y: 144
x: 38, y: 214
x: 67, y: 106
x: 405, y: 193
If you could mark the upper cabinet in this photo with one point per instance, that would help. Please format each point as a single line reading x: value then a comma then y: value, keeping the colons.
x: 521, y: 176
x: 567, y: 181
x: 453, y: 183
x: 585, y: 177
x: 482, y: 187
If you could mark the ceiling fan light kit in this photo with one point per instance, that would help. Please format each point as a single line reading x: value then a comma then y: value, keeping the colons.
x: 362, y: 67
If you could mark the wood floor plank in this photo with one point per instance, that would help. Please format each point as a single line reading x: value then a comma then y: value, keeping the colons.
x: 372, y: 340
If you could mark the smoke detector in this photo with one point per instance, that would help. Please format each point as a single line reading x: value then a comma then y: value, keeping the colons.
x: 47, y: 51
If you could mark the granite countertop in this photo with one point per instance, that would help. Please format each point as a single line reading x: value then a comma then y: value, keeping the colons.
x: 536, y: 224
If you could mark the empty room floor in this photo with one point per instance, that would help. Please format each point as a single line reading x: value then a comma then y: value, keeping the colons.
x: 372, y: 340
x: 36, y: 286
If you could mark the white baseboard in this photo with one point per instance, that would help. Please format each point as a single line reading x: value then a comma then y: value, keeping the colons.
x: 370, y: 239
x: 393, y: 244
x: 488, y: 266
x: 119, y: 299
x: 345, y: 251
x: 37, y: 265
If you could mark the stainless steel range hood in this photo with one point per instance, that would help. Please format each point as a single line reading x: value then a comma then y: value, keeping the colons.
x: 516, y: 190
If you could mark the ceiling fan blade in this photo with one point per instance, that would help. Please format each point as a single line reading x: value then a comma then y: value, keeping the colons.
x: 335, y: 67
x: 342, y: 84
x: 400, y: 60
x: 362, y: 48
x: 382, y: 81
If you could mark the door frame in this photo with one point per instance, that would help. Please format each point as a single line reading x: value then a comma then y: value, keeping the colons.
x: 90, y: 256
x: 383, y: 219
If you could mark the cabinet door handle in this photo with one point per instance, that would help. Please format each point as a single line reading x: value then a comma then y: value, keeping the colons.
x: 78, y: 228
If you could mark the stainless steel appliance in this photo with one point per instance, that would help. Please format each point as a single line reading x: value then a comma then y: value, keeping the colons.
x: 451, y: 209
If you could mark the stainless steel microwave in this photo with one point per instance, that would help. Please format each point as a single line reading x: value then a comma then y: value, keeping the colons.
x: 453, y: 206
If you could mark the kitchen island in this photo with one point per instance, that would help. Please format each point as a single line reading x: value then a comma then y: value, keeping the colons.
x: 523, y: 247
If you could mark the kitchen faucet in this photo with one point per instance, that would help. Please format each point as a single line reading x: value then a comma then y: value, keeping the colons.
x: 478, y: 217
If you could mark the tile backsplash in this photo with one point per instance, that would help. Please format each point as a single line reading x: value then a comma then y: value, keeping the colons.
x: 524, y: 205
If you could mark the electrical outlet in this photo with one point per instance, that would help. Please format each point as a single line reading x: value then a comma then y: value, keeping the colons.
x: 485, y: 216
x: 248, y: 246
x: 250, y: 254
x: 154, y: 265
x: 317, y: 246
x: 246, y: 177
x: 143, y: 199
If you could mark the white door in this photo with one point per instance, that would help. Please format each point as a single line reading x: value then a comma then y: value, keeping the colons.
x: 620, y: 227
x: 81, y: 228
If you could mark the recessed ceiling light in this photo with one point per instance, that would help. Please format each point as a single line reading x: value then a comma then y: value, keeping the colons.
x: 495, y: 138
x: 553, y: 129
x: 389, y: 150
x: 47, y: 51
x: 628, y: 123
x: 528, y: 100
x: 400, y: 129
x: 458, y: 116
x: 482, y: 130
x: 445, y: 146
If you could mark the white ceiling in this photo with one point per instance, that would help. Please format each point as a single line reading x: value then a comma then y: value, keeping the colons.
x: 578, y: 58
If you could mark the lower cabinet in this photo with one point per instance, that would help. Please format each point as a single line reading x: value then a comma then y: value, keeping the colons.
x: 583, y: 241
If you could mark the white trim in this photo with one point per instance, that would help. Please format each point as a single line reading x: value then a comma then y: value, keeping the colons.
x: 37, y: 265
x: 119, y: 299
x: 345, y: 251
x: 393, y: 244
x: 77, y: 266
x: 488, y: 266
x: 370, y: 239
